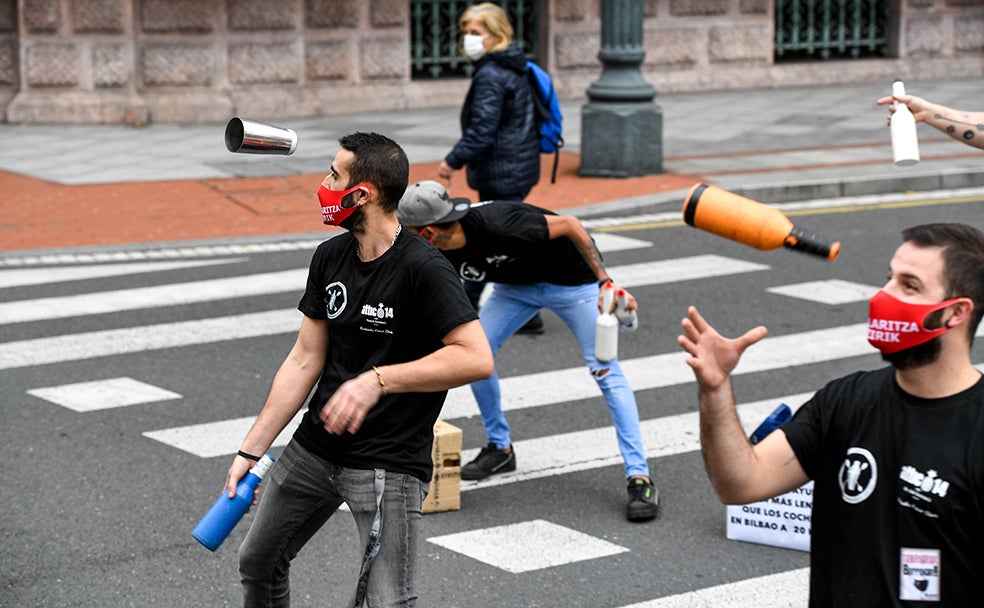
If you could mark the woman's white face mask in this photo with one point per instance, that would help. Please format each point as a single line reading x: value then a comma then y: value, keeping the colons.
x: 473, y: 46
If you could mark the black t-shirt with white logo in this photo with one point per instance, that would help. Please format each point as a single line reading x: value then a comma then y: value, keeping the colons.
x: 508, y: 242
x: 394, y: 309
x: 898, y: 500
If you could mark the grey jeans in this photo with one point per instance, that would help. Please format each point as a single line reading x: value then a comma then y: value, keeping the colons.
x: 301, y: 492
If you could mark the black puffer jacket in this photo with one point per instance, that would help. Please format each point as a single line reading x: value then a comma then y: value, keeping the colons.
x: 499, y: 142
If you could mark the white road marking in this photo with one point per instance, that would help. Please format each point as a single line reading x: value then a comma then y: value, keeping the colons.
x: 789, y: 589
x: 833, y: 291
x: 43, y: 276
x: 527, y: 546
x: 103, y: 394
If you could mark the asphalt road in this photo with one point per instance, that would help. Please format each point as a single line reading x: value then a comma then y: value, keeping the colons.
x: 98, y: 510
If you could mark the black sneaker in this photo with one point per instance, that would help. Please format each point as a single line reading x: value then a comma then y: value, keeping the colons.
x: 643, y: 500
x: 490, y: 460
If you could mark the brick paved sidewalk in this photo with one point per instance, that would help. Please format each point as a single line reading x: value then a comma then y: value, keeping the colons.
x: 42, y: 215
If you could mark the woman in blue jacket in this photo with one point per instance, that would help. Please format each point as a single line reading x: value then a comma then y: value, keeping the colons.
x: 499, y: 143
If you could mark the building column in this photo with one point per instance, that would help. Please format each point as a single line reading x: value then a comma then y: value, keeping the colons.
x: 621, y: 125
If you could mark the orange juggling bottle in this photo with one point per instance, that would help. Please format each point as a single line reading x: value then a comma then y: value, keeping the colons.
x: 750, y: 222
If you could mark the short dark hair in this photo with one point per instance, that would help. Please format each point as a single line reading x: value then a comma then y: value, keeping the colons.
x: 963, y: 261
x: 379, y: 161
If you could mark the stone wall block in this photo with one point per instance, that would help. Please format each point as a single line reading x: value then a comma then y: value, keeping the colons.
x: 262, y: 15
x: 159, y: 16
x: 650, y: 8
x: 389, y: 13
x: 968, y: 34
x: 571, y: 10
x: 178, y: 65
x: 734, y: 43
x: 677, y: 47
x: 52, y: 65
x: 8, y: 68
x: 256, y: 63
x: 964, y: 3
x: 924, y: 36
x: 921, y: 3
x: 41, y: 16
x: 109, y: 66
x: 8, y: 16
x: 578, y: 50
x: 384, y: 58
x: 331, y: 13
x: 756, y: 7
x: 98, y: 16
x: 699, y: 7
x: 328, y: 60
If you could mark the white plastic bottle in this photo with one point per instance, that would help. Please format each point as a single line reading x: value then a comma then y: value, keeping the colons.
x: 606, y: 327
x: 628, y: 320
x: 905, y: 145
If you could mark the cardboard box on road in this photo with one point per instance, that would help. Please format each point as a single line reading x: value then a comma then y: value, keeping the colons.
x: 445, y: 486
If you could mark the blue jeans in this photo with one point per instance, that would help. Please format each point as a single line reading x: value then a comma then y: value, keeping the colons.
x: 508, y: 308
x: 301, y: 492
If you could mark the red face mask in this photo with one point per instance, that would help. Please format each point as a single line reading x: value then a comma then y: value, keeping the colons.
x: 894, y: 325
x: 332, y: 212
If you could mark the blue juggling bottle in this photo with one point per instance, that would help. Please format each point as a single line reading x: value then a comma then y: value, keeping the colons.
x: 773, y: 421
x: 226, y: 512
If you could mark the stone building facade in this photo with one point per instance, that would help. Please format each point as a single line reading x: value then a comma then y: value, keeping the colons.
x: 140, y: 61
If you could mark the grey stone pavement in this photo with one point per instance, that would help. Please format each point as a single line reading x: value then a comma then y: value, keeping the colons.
x: 772, y: 145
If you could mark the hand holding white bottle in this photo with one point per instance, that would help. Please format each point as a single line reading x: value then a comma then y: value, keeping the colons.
x: 905, y: 145
x: 628, y: 320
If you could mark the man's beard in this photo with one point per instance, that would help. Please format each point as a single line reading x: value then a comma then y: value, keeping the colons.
x: 921, y: 354
x: 916, y: 356
x: 355, y: 223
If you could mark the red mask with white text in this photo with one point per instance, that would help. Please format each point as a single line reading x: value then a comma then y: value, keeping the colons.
x: 894, y: 325
x: 332, y: 212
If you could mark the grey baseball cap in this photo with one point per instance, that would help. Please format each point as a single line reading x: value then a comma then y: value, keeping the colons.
x: 427, y: 202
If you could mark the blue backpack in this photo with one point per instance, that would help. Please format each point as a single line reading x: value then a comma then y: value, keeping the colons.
x: 548, y: 115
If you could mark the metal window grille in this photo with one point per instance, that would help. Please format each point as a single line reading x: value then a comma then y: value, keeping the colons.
x: 831, y: 29
x: 435, y: 41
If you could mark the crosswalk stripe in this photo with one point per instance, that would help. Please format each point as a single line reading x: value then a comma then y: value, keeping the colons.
x: 543, y: 456
x: 647, y: 273
x: 110, y: 342
x: 595, y: 448
x: 174, y: 294
x: 606, y: 241
x: 831, y: 291
x: 681, y: 269
x: 75, y: 347
x: 43, y: 276
x: 103, y: 394
x: 508, y: 547
x: 655, y: 371
x: 221, y: 438
x: 783, y: 590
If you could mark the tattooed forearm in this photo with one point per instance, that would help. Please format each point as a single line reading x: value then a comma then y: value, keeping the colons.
x: 967, y: 134
x: 592, y: 256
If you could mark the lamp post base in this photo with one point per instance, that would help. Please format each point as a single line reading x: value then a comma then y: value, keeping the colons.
x: 626, y: 139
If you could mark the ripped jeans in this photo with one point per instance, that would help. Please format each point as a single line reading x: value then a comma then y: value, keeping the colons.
x: 507, y: 309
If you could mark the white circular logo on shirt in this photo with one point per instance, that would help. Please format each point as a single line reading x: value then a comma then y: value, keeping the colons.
x: 470, y: 273
x: 857, y: 476
x: 336, y: 297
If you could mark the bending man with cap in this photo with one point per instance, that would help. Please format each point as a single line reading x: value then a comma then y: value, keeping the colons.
x: 535, y: 259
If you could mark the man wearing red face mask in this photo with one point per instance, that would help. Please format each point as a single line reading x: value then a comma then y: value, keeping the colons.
x: 386, y: 330
x: 896, y: 455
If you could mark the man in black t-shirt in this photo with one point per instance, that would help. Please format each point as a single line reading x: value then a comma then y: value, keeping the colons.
x: 535, y: 259
x: 896, y: 455
x: 386, y: 331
